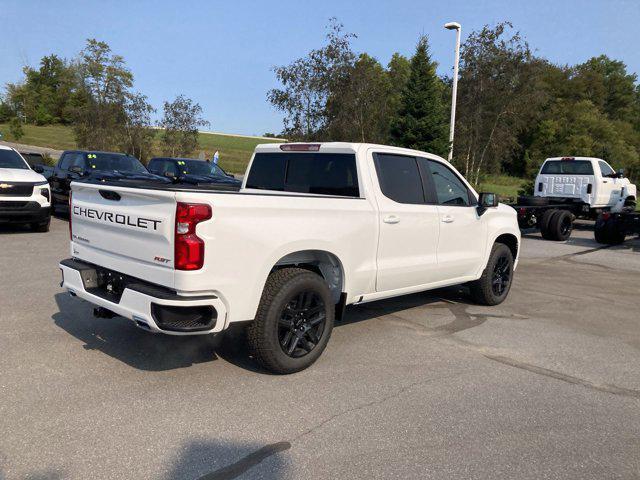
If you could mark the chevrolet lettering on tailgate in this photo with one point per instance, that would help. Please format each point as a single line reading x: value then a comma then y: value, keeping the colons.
x: 118, y: 218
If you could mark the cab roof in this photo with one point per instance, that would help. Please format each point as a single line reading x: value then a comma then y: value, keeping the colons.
x: 335, y: 147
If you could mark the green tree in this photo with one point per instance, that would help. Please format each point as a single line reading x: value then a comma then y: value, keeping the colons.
x: 498, y: 99
x: 100, y: 114
x: 606, y: 83
x: 307, y: 84
x: 44, y: 96
x: 398, y: 71
x: 137, y: 139
x: 15, y: 128
x: 180, y: 122
x: 358, y: 108
x: 421, y: 122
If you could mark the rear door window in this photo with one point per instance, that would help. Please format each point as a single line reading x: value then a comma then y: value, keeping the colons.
x: 567, y: 167
x: 316, y: 173
x: 399, y: 178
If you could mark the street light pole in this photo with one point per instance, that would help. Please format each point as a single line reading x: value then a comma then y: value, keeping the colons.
x: 454, y: 26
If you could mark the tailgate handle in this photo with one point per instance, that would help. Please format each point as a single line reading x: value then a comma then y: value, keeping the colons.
x: 109, y: 195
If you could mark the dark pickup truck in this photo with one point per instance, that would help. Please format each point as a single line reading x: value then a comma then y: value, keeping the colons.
x: 77, y: 164
x: 195, y: 172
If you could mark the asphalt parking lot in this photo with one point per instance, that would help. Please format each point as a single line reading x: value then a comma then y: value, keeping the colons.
x: 546, y: 385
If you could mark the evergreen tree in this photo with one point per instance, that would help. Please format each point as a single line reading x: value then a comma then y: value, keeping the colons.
x: 421, y: 122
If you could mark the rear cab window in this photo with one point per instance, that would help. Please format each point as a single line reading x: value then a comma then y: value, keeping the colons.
x: 316, y: 173
x: 567, y: 167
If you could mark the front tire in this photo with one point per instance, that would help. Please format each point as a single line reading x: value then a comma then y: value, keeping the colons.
x: 493, y: 286
x: 608, y: 232
x: 294, y: 321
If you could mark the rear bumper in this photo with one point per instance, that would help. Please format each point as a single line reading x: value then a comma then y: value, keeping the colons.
x: 149, y: 306
x: 22, y: 211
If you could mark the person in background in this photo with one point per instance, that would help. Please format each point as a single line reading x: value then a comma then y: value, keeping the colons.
x: 216, y: 156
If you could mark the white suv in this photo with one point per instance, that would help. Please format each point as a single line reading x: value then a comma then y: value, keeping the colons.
x: 25, y: 196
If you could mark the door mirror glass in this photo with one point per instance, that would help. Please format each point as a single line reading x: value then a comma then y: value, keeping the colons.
x: 620, y: 173
x: 488, y: 200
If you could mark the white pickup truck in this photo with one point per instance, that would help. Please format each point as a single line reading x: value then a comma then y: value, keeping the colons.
x: 591, y: 181
x: 315, y: 227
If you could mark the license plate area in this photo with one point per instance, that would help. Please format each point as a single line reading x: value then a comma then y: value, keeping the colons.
x: 104, y: 283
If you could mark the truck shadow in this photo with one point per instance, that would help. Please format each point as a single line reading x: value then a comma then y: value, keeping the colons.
x: 210, y: 460
x: 14, y: 229
x: 120, y: 339
x: 203, y: 459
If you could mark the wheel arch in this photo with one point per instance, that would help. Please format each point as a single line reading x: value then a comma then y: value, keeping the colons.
x: 511, y: 241
x: 323, y: 262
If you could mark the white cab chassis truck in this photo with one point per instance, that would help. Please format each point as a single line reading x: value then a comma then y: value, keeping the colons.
x: 315, y: 227
x: 570, y: 187
x: 25, y: 196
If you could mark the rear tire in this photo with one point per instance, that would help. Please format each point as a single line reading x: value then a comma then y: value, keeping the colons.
x: 493, y: 286
x: 294, y: 321
x: 545, y: 221
x: 560, y: 226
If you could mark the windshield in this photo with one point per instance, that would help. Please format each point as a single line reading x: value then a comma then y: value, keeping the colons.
x: 10, y: 159
x: 570, y: 167
x: 113, y: 162
x: 200, y: 167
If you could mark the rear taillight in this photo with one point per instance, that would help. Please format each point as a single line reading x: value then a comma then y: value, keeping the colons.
x: 70, y: 216
x: 540, y: 186
x: 589, y: 188
x: 189, y: 248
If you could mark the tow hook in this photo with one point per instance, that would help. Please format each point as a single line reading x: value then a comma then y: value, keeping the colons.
x: 100, y: 312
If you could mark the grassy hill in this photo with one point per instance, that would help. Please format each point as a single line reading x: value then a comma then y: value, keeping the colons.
x: 235, y: 151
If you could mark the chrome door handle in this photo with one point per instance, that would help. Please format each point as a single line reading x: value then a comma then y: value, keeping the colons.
x: 391, y: 219
x: 447, y: 219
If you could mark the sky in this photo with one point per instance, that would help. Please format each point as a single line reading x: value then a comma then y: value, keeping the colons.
x: 220, y: 53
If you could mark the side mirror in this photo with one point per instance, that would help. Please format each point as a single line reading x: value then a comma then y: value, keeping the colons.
x: 77, y: 169
x: 620, y: 173
x: 169, y: 174
x: 487, y: 200
x: 38, y: 168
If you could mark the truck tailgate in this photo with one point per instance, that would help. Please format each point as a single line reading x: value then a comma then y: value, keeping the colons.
x: 130, y: 230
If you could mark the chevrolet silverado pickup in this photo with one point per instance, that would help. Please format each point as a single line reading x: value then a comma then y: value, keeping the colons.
x: 314, y: 227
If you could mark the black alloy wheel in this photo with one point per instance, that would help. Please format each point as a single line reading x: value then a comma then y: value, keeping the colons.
x: 301, y: 324
x: 566, y: 226
x: 501, y: 276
